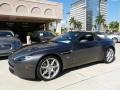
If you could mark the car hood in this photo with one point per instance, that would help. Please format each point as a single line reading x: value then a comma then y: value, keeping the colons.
x: 8, y: 39
x: 34, y: 48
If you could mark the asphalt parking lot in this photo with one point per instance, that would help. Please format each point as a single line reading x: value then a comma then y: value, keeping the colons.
x: 95, y: 76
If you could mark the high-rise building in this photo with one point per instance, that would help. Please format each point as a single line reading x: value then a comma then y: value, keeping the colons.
x: 119, y: 26
x: 86, y: 12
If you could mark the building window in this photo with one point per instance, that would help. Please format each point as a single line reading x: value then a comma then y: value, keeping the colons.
x: 21, y: 9
x: 5, y: 8
x: 36, y: 11
x: 48, y: 12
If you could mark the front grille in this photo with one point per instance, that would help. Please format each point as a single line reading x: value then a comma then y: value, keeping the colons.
x: 5, y: 46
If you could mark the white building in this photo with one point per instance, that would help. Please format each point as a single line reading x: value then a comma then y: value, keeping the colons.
x: 24, y: 16
x: 78, y: 11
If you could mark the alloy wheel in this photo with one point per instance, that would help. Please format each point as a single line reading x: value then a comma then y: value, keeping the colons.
x: 109, y: 55
x: 49, y: 68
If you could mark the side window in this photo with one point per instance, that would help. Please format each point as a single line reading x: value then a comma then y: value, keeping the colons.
x: 99, y: 33
x: 50, y: 34
x: 46, y: 34
x: 86, y: 38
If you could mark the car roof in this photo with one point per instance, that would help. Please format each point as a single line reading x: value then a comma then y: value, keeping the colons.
x: 81, y: 32
x: 6, y: 31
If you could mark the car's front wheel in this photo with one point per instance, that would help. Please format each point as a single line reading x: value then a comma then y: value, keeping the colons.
x: 48, y: 68
x: 109, y: 55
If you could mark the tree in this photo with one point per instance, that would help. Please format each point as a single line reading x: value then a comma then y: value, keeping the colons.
x: 105, y: 26
x: 75, y: 23
x: 72, y: 22
x: 78, y: 25
x: 63, y: 30
x: 100, y: 21
x: 114, y: 26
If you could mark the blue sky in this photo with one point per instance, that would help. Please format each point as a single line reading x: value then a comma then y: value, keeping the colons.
x: 113, y: 9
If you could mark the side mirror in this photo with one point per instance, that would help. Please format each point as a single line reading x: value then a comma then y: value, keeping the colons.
x: 16, y: 35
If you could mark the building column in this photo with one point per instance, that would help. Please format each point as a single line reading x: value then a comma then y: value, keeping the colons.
x: 46, y: 27
x: 58, y: 26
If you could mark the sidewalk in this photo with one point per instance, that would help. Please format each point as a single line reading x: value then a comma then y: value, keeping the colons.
x: 108, y: 81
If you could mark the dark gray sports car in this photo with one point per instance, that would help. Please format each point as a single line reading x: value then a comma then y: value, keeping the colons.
x: 46, y: 61
x: 8, y: 43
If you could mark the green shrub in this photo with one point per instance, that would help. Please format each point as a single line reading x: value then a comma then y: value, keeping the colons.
x: 29, y: 34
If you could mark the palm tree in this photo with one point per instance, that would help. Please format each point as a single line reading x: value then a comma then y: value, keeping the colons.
x: 94, y: 27
x: 72, y: 22
x: 75, y: 23
x: 114, y: 26
x: 105, y: 26
x: 100, y: 21
x: 78, y: 25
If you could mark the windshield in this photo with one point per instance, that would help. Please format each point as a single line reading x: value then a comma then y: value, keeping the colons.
x: 6, y: 34
x: 65, y: 38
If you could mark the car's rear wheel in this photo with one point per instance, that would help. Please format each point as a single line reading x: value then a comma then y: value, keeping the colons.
x: 48, y: 68
x: 109, y: 55
x: 115, y: 40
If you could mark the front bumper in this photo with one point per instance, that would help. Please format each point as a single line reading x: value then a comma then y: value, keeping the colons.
x: 23, y: 69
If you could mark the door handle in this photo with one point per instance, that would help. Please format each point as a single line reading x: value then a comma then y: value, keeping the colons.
x: 67, y: 52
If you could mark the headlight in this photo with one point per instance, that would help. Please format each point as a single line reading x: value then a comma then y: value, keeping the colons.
x: 23, y: 58
x: 17, y: 44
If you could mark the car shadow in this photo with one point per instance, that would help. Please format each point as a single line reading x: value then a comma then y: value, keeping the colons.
x: 3, y: 58
x: 68, y: 70
x: 78, y: 67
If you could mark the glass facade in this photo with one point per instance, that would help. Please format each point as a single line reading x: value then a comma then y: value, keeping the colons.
x: 93, y: 9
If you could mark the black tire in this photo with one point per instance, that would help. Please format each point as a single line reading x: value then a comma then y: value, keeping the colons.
x: 115, y: 40
x: 39, y: 71
x: 111, y: 57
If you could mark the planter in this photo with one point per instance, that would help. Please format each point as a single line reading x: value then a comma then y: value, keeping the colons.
x: 28, y: 40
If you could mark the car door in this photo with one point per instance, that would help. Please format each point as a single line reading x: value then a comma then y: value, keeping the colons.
x: 86, y: 50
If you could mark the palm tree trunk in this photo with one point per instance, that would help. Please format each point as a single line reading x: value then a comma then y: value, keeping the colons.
x: 99, y: 26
